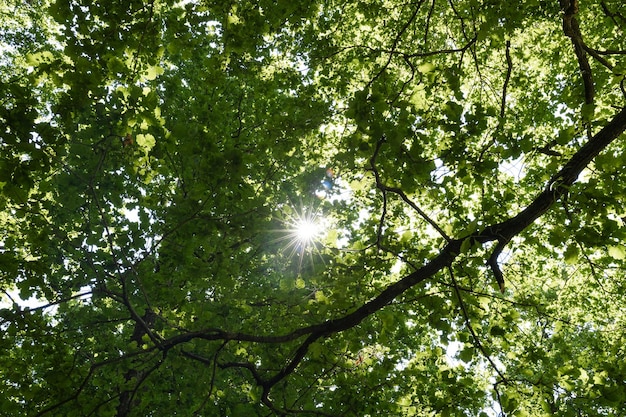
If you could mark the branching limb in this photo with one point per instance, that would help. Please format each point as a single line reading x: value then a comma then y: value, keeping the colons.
x: 499, y: 397
x: 597, y: 56
x: 50, y: 304
x: 381, y: 222
x: 409, y: 55
x: 462, y: 49
x: 396, y: 41
x: 572, y: 30
x: 419, y: 211
x: 245, y: 365
x: 121, y: 274
x: 384, y: 188
x: 127, y: 398
x: 615, y: 16
x: 92, y: 370
x: 502, y: 232
x: 559, y: 184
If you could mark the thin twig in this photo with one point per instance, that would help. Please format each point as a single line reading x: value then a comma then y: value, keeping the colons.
x: 384, y: 188
x: 468, y: 323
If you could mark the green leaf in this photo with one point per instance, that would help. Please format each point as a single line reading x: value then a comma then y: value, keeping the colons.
x: 466, y: 245
x: 587, y: 112
x: 426, y: 67
x: 155, y: 158
x: 571, y: 254
x: 617, y: 252
x: 153, y: 72
x: 497, y: 331
x: 145, y: 141
x: 467, y: 354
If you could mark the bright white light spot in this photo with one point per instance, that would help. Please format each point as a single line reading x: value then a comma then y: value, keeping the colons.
x: 306, y: 230
x: 303, y: 230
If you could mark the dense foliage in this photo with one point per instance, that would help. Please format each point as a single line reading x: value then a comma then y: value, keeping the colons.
x: 465, y: 159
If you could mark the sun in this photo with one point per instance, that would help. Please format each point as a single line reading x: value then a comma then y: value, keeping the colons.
x: 303, y: 229
x: 306, y: 231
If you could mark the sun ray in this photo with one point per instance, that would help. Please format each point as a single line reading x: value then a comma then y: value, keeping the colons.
x: 303, y: 230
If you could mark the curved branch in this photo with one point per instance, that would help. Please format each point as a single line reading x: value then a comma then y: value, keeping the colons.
x: 384, y: 188
x: 383, y: 214
x: 559, y: 184
x: 612, y: 15
x: 495, y: 267
x: 83, y: 384
x: 407, y: 55
x: 597, y: 56
x: 394, y: 45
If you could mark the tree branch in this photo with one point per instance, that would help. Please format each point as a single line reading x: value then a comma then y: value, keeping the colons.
x: 396, y: 40
x: 384, y: 188
x: 572, y: 30
x: 509, y: 68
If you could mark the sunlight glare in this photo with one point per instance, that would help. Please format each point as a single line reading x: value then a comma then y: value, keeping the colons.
x: 306, y: 230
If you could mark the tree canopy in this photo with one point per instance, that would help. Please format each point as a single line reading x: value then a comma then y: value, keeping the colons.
x: 321, y: 207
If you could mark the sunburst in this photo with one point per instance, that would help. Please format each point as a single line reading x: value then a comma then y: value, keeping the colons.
x: 303, y: 232
x: 304, y: 229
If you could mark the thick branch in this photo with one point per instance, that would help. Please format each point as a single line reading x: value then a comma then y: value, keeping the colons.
x: 571, y: 30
